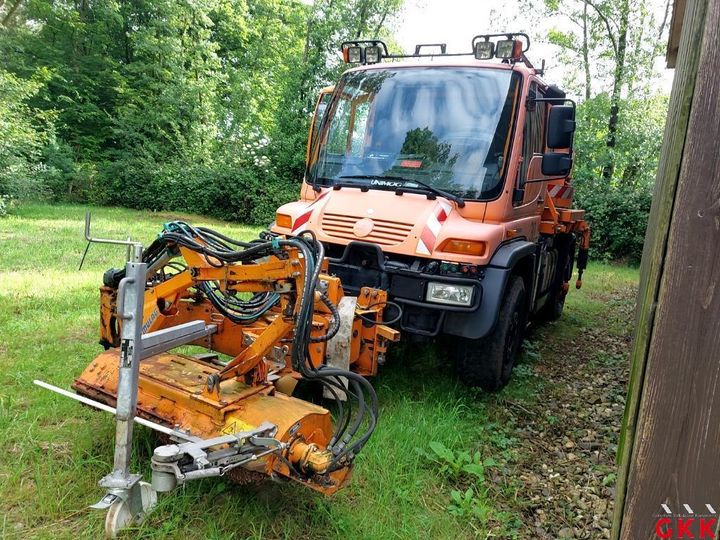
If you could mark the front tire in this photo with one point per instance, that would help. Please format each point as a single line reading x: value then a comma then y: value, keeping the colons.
x: 488, y: 362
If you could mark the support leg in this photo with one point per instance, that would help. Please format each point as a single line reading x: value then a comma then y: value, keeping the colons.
x: 127, y: 498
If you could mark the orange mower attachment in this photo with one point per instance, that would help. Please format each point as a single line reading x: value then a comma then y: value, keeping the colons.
x: 267, y: 318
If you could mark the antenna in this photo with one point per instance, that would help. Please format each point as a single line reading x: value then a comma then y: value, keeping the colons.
x: 541, y: 71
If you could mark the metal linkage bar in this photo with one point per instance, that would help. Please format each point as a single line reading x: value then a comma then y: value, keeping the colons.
x: 89, y: 238
x: 175, y: 464
x: 169, y: 338
x: 107, y: 408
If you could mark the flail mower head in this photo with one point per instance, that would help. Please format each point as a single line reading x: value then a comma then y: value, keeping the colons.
x: 267, y: 318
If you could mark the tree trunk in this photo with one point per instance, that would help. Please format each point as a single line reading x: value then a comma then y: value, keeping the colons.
x: 362, y: 19
x: 586, y: 60
x: 379, y: 25
x: 611, y: 140
x: 308, y: 30
x: 126, y: 37
x: 10, y: 13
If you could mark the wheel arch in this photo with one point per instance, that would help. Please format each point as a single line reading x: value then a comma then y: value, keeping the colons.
x: 525, y: 269
x: 519, y: 257
x: 511, y: 253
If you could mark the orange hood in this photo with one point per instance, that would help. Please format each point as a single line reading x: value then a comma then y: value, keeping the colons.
x: 410, y: 224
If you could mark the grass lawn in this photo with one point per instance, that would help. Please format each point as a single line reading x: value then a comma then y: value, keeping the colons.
x: 445, y: 461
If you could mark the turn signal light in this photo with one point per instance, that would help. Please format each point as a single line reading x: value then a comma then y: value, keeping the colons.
x: 283, y: 220
x: 464, y: 247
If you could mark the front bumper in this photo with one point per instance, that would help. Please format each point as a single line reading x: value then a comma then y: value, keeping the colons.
x: 365, y: 265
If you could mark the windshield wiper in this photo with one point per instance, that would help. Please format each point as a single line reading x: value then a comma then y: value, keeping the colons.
x: 319, y: 182
x: 456, y: 198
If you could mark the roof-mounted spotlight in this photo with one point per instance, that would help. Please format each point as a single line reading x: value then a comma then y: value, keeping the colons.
x: 484, y: 50
x: 373, y: 54
x: 510, y: 46
x: 509, y: 49
x: 364, y: 51
x: 353, y: 54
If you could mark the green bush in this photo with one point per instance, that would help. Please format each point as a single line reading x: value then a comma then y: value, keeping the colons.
x: 240, y: 194
x: 67, y: 179
x: 24, y: 181
x: 618, y: 218
x: 5, y: 204
x: 618, y: 209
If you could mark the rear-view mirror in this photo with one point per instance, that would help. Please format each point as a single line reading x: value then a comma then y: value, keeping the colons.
x: 561, y: 126
x: 556, y: 164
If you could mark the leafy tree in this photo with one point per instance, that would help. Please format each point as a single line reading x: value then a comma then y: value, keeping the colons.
x: 609, y: 48
x: 169, y: 109
x: 616, y: 43
x: 24, y: 132
x: 167, y: 104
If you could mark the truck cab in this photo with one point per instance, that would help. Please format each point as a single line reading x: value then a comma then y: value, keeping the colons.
x: 447, y: 183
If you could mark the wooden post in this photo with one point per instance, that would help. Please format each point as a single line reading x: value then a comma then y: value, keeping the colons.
x: 669, y: 451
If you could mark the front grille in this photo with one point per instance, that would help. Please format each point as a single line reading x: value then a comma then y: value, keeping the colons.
x: 384, y: 233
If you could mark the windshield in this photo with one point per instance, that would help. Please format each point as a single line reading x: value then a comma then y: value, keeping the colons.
x: 446, y: 127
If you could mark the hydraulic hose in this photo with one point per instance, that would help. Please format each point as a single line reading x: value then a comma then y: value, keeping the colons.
x: 218, y: 250
x: 334, y: 322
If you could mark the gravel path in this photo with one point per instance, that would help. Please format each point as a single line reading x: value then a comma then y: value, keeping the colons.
x: 563, y: 476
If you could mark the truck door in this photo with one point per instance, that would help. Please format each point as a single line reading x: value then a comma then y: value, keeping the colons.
x: 532, y: 201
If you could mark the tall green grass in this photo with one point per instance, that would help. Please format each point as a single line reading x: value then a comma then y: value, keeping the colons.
x: 54, y: 451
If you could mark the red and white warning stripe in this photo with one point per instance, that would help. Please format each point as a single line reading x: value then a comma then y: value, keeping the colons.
x: 431, y: 231
x: 298, y: 224
x: 558, y: 191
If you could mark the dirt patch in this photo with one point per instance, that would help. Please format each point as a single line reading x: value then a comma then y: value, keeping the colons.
x: 565, y: 468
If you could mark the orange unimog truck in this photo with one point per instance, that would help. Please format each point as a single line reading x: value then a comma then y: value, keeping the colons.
x: 446, y: 182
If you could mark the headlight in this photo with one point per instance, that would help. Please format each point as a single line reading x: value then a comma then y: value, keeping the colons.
x: 446, y: 293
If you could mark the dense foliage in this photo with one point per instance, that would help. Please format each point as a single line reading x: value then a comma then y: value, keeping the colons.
x: 609, y: 49
x: 204, y: 106
x: 162, y: 104
x: 618, y: 208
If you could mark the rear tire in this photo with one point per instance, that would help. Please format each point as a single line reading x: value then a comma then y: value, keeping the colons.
x: 488, y: 362
x: 553, y: 308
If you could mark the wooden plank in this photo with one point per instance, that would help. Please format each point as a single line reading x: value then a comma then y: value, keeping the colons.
x: 674, y: 460
x: 657, y: 233
x: 676, y: 24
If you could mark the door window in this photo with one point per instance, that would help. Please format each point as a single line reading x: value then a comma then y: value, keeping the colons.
x: 533, y: 132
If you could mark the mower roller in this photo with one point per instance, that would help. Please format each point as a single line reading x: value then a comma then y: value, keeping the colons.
x: 267, y: 318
